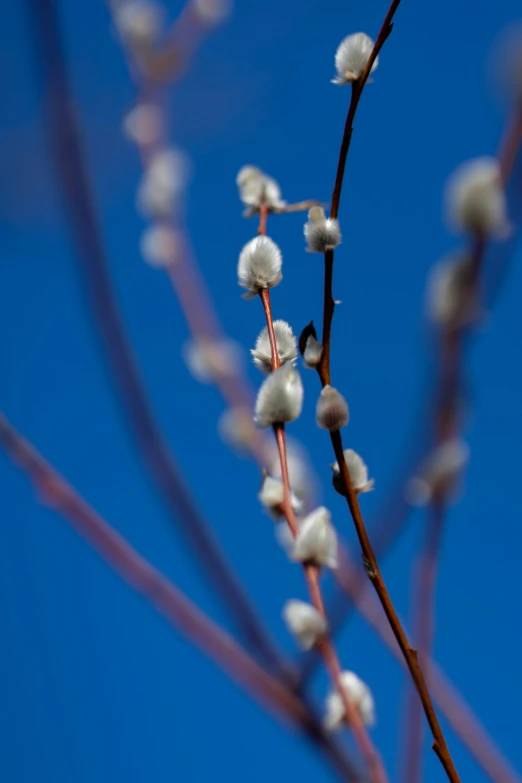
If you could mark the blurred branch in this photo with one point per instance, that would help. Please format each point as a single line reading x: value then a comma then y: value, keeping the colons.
x: 447, y: 424
x: 79, y: 206
x: 189, y: 621
x: 452, y: 705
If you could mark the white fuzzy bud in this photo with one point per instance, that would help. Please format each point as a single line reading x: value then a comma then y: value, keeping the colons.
x: 475, y: 199
x: 360, y: 696
x: 351, y: 57
x: 236, y: 428
x: 439, y: 474
x: 143, y: 124
x: 302, y: 479
x: 212, y: 11
x: 256, y: 188
x: 164, y: 181
x: 320, y: 232
x: 280, y: 398
x: 451, y: 293
x: 304, y: 622
x: 332, y: 410
x: 316, y: 541
x: 272, y: 497
x: 160, y: 246
x: 259, y: 265
x: 286, y: 346
x: 208, y: 360
x: 312, y: 353
x: 138, y: 22
x: 357, y: 471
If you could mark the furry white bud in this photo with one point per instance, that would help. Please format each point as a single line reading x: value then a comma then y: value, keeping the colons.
x: 212, y: 11
x: 304, y: 622
x: 256, y: 188
x: 316, y: 541
x: 451, y: 293
x: 236, y: 428
x: 320, y: 232
x: 332, y: 410
x: 351, y: 57
x: 164, y: 181
x: 439, y: 474
x: 475, y: 199
x: 208, y: 360
x: 160, y: 246
x: 280, y: 398
x: 143, y: 124
x: 286, y: 346
x: 357, y: 471
x: 259, y: 265
x: 312, y: 353
x: 272, y: 497
x: 360, y: 696
x: 139, y: 22
x: 302, y: 479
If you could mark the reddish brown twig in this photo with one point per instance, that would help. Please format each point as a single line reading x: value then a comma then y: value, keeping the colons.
x: 458, y: 714
x: 185, y: 616
x: 325, y: 644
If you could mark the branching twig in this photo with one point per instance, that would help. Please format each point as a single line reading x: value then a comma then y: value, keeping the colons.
x: 190, y: 621
x: 79, y: 205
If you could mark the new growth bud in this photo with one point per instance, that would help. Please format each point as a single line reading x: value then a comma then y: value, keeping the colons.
x: 360, y: 696
x: 475, y: 199
x: 320, y: 232
x: 331, y: 410
x: 305, y: 622
x: 286, y: 346
x: 316, y: 541
x: 280, y: 398
x: 256, y: 188
x: 160, y: 246
x: 272, y: 497
x: 259, y: 265
x: 138, y: 22
x: 452, y: 295
x: 164, y: 181
x: 357, y: 471
x: 439, y: 474
x: 351, y: 57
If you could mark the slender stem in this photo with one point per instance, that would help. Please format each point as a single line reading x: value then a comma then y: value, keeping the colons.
x: 374, y: 574
x: 357, y: 90
x: 180, y: 612
x: 325, y: 644
x: 82, y: 221
x: 423, y: 592
x: 452, y: 705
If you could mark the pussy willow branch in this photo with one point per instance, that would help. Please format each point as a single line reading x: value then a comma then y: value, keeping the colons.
x: 187, y: 282
x: 357, y: 89
x: 187, y: 619
x: 371, y: 565
x: 325, y: 644
x: 458, y: 714
x: 448, y: 404
x: 79, y: 206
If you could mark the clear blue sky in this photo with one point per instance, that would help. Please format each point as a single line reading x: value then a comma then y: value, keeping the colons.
x: 95, y: 686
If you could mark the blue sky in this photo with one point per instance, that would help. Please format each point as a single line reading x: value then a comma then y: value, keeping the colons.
x: 95, y: 685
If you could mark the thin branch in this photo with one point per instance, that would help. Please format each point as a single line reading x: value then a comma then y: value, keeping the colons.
x: 79, y: 206
x: 357, y: 89
x: 452, y: 705
x: 374, y: 574
x: 196, y: 627
x: 325, y: 644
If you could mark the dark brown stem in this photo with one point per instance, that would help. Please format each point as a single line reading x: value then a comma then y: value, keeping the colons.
x: 423, y: 592
x: 325, y: 644
x: 357, y: 89
x: 180, y: 612
x: 82, y: 222
x: 374, y: 574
